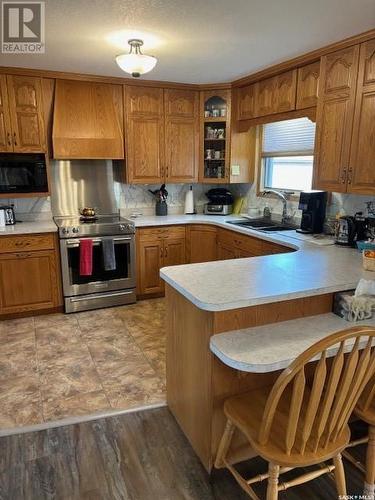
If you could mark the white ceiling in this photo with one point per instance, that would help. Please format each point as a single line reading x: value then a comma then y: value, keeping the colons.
x: 195, y: 41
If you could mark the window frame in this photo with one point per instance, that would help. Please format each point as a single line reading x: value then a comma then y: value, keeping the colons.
x: 261, y: 165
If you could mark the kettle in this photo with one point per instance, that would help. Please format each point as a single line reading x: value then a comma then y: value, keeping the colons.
x: 345, y: 233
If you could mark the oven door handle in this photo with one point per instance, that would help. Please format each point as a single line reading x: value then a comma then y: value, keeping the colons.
x: 96, y: 241
x: 97, y: 296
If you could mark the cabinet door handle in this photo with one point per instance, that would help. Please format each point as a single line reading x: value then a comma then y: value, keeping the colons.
x: 343, y: 176
x: 9, y: 139
x: 15, y: 139
x: 166, y: 172
x: 350, y: 172
x: 23, y: 255
x: 161, y: 252
x: 166, y: 252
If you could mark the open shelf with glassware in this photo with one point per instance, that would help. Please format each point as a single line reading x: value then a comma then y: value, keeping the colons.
x: 215, y: 130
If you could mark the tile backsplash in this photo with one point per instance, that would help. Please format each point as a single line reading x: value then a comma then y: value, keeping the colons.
x: 136, y: 198
x: 350, y: 203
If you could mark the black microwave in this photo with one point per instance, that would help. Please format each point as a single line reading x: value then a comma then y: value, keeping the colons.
x: 23, y: 173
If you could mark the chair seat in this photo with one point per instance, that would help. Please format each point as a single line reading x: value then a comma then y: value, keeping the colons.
x: 246, y: 412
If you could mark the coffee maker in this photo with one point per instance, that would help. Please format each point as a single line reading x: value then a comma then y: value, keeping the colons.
x: 313, y: 205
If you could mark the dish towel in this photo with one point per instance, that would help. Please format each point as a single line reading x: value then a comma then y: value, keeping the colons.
x: 85, y: 257
x: 109, y: 257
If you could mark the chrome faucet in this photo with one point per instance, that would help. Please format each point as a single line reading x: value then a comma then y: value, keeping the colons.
x: 283, y: 197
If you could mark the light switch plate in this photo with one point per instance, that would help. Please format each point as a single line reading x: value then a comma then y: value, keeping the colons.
x: 235, y: 170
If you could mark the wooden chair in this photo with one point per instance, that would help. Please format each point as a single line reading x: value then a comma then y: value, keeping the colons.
x: 295, y: 424
x: 365, y: 410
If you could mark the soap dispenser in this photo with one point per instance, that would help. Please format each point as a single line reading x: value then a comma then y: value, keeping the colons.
x: 189, y: 202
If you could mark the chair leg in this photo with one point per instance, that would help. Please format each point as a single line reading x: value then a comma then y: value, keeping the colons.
x: 339, y: 475
x: 273, y: 481
x: 224, y: 445
x: 369, y: 488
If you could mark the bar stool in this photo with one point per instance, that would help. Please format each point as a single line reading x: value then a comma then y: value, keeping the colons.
x: 299, y: 425
x: 365, y: 410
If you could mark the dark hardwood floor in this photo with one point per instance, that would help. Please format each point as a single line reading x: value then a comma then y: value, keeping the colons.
x: 137, y: 456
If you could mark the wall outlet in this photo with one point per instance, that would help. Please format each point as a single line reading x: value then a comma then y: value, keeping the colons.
x: 235, y: 170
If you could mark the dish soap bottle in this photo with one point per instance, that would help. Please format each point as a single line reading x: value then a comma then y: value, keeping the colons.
x: 267, y: 212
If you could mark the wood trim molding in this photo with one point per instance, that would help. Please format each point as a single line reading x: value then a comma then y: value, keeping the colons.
x: 301, y: 60
x: 310, y: 113
x: 45, y: 73
x: 95, y: 78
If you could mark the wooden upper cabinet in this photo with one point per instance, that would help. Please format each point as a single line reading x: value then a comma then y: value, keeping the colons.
x: 246, y: 97
x: 181, y: 103
x: 339, y: 73
x: 361, y: 173
x: 335, y: 119
x: 26, y: 114
x: 265, y: 97
x: 332, y: 145
x: 144, y: 135
x: 6, y: 140
x: 367, y: 64
x: 181, y: 135
x: 285, y: 86
x: 144, y: 101
x: 88, y: 120
x: 307, y: 86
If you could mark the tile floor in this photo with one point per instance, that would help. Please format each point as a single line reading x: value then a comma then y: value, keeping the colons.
x: 58, y: 366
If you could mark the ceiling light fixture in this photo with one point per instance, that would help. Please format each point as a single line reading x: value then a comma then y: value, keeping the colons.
x: 135, y: 62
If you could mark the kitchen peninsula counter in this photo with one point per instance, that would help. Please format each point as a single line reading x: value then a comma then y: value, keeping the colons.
x: 211, y: 298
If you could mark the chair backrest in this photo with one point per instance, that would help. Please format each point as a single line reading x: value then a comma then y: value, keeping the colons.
x: 319, y: 413
x: 367, y: 398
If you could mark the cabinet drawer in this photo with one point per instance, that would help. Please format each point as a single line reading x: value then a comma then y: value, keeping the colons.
x: 161, y: 233
x: 248, y: 244
x: 272, y: 248
x: 29, y: 242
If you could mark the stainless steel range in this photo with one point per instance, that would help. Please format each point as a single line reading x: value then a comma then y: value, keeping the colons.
x: 102, y: 288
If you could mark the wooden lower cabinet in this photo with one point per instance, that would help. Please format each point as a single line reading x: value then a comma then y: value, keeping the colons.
x: 29, y: 280
x: 150, y: 261
x: 225, y: 252
x: 156, y: 248
x: 174, y: 251
x: 163, y: 246
x: 201, y: 243
x: 233, y: 245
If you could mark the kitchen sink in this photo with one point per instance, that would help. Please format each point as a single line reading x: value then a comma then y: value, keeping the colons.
x: 263, y: 225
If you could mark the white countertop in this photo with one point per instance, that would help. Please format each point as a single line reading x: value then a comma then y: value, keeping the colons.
x: 273, y: 347
x: 223, y: 285
x: 28, y: 227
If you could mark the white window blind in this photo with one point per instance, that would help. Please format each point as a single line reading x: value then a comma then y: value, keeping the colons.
x: 289, y: 136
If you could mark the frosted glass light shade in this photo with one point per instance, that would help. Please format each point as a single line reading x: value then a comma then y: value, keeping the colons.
x: 136, y: 64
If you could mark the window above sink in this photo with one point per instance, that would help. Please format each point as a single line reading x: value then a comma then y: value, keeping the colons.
x: 287, y: 155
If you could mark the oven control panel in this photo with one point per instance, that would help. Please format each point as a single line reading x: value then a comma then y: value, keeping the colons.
x: 96, y: 230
